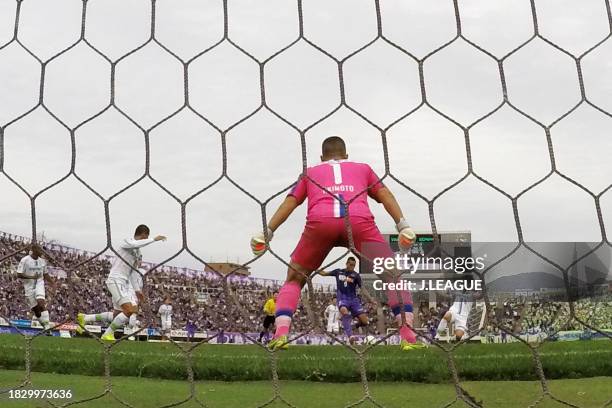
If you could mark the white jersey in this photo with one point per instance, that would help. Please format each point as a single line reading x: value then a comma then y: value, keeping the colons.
x: 332, y: 314
x: 130, y: 252
x: 31, y: 267
x: 34, y: 289
x: 165, y: 311
x: 136, y: 279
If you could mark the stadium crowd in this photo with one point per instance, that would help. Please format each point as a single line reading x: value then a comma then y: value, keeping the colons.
x: 202, y: 298
x: 553, y: 317
x: 532, y: 315
x: 199, y: 298
x: 429, y: 317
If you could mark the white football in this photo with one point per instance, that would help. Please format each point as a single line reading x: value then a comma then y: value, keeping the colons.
x: 369, y: 339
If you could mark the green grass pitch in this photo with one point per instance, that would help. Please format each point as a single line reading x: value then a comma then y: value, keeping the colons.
x: 144, y: 392
x: 147, y: 374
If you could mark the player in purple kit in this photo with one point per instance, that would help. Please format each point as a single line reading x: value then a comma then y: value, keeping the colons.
x: 347, y: 281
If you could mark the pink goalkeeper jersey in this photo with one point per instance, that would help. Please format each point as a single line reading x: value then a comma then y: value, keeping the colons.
x: 345, y: 180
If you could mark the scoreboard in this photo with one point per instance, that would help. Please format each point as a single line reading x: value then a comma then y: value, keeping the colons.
x: 453, y: 244
x: 423, y: 245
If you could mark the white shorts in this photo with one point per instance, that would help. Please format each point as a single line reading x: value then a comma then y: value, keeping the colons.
x: 166, y: 324
x: 333, y: 327
x: 133, y: 297
x: 120, y: 292
x: 34, y: 290
x: 459, y: 319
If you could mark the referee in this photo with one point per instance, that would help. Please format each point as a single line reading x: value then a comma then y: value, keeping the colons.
x: 269, y: 310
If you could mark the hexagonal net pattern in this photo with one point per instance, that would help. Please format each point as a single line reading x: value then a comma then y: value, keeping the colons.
x: 360, y: 354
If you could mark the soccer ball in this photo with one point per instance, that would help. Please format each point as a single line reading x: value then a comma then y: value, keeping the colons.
x: 369, y: 339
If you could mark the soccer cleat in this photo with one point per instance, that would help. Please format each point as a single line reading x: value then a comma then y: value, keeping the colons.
x: 278, y: 343
x: 80, y: 323
x: 406, y: 346
x: 108, y: 337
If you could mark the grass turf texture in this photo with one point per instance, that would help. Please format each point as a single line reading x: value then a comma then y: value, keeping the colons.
x: 475, y: 362
x: 140, y: 392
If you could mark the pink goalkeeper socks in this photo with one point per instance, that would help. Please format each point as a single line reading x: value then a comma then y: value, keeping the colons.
x: 283, y: 323
x: 406, y: 333
x: 286, y: 303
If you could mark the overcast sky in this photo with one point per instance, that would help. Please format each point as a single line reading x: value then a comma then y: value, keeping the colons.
x: 426, y: 151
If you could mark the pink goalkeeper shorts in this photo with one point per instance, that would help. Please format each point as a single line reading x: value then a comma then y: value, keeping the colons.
x: 321, y: 235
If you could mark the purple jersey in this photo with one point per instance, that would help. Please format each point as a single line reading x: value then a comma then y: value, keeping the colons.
x: 346, y: 283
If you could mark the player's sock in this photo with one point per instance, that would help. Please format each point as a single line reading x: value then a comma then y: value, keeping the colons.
x: 133, y: 321
x: 118, y: 322
x: 347, y: 319
x: 104, y: 317
x: 261, y: 334
x: 393, y: 299
x: 442, y: 325
x: 44, y: 319
x: 286, y: 303
x: 406, y: 332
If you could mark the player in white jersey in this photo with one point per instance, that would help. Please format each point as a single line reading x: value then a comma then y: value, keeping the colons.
x: 165, y: 313
x: 136, y: 295
x: 458, y: 315
x: 32, y: 270
x: 332, y: 314
x: 118, y: 282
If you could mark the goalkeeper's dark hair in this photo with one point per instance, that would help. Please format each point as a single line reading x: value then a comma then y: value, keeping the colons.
x: 142, y: 229
x: 332, y: 146
x: 351, y: 258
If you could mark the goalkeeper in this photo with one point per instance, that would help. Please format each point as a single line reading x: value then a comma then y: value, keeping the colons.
x: 328, y: 186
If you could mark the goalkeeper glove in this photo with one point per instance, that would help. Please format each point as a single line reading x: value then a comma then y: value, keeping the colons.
x: 258, y: 242
x: 406, y: 235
